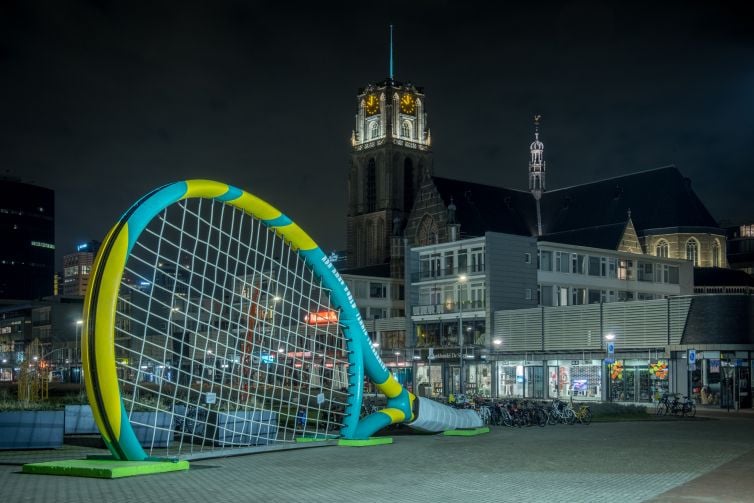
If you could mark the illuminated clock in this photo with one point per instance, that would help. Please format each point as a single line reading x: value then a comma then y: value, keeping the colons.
x: 408, y: 104
x: 372, y: 105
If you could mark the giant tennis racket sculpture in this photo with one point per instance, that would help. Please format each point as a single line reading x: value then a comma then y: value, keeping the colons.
x: 214, y: 322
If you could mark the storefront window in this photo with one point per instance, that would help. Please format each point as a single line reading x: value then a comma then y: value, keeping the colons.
x: 510, y: 379
x: 479, y: 379
x: 581, y: 379
x: 429, y: 380
x: 630, y: 381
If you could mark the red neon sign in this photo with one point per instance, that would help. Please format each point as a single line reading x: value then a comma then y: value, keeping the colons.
x: 321, y: 317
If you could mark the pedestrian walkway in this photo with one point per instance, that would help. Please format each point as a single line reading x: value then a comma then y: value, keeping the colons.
x: 630, y: 461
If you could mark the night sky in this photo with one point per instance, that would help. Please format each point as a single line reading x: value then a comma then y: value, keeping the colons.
x: 103, y: 101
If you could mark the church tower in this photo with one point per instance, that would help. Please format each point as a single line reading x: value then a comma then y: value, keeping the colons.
x: 390, y: 149
x: 537, y: 171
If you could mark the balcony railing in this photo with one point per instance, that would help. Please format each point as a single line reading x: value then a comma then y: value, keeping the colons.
x: 447, y: 308
x: 446, y: 273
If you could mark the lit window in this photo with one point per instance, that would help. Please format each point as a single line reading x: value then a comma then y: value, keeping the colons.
x: 662, y: 248
x: 692, y: 251
x: 715, y: 254
x: 406, y: 129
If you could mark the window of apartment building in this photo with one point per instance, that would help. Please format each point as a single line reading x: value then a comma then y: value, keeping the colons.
x: 545, y: 260
x: 578, y: 263
x: 378, y: 313
x: 448, y: 260
x: 624, y: 269
x: 595, y: 296
x: 394, y: 339
x: 644, y: 271
x: 594, y: 266
x: 476, y: 295
x: 477, y: 259
x: 612, y: 267
x: 561, y: 262
x: 430, y: 265
x: 463, y: 261
x: 561, y: 295
x: 377, y: 290
x: 578, y: 296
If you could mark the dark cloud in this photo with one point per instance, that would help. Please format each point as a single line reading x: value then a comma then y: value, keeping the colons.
x: 102, y: 101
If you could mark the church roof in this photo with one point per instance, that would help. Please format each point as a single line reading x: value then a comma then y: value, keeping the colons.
x: 658, y: 198
x: 607, y: 237
x: 592, y: 214
x: 481, y: 208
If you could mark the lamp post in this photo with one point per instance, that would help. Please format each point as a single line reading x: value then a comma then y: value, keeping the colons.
x: 610, y: 337
x: 79, y: 326
x: 461, y: 281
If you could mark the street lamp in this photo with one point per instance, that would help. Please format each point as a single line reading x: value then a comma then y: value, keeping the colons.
x: 610, y: 337
x: 461, y: 281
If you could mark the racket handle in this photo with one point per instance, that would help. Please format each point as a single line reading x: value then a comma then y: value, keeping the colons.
x: 433, y: 416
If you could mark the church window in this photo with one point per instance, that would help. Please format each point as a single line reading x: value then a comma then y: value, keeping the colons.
x: 715, y: 253
x: 427, y: 231
x: 661, y: 250
x: 374, y: 130
x: 406, y: 129
x: 692, y: 251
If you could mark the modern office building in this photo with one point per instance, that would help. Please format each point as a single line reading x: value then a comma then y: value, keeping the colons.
x: 77, y: 268
x: 27, y: 249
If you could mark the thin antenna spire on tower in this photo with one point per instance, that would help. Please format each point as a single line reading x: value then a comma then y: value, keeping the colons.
x: 391, y: 52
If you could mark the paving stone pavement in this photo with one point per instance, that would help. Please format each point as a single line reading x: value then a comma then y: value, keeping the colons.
x: 686, y: 460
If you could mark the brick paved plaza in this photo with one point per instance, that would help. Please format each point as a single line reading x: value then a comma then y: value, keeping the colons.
x: 706, y: 459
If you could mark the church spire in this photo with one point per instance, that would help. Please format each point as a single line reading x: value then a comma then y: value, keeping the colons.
x: 391, y: 52
x: 537, y: 171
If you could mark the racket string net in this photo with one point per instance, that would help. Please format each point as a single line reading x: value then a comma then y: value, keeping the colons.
x: 224, y: 338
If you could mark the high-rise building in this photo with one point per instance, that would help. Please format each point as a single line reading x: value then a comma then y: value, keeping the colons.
x: 27, y: 247
x: 77, y: 267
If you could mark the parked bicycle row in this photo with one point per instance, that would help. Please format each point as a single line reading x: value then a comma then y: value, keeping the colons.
x: 672, y: 404
x: 526, y: 412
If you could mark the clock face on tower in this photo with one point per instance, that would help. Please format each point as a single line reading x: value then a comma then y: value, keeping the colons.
x: 408, y: 104
x: 372, y: 105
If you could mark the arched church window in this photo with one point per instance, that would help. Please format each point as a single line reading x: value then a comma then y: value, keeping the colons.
x: 426, y: 233
x: 661, y: 250
x: 406, y: 129
x: 374, y: 130
x: 692, y: 251
x: 715, y: 253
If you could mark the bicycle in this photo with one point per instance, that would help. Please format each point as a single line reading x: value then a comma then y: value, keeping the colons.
x: 663, y: 405
x: 583, y: 414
